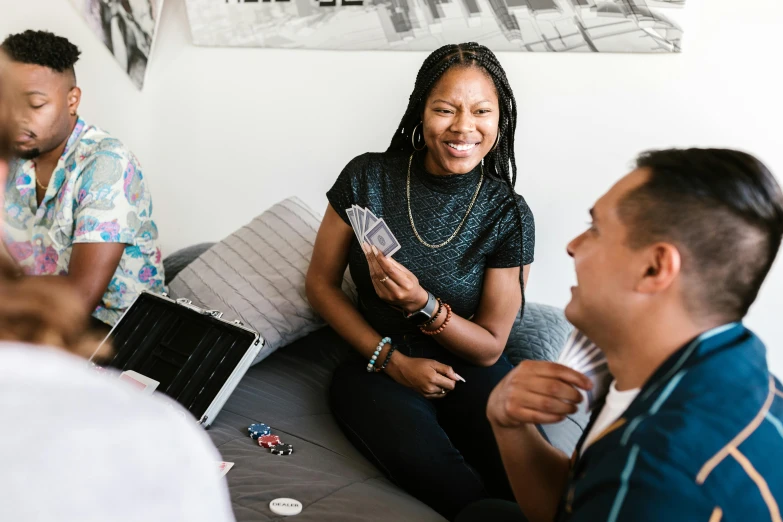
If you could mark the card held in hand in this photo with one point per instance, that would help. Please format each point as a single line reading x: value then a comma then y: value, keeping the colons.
x: 370, y: 220
x: 356, y: 218
x: 352, y: 218
x: 359, y: 213
x: 582, y: 355
x: 381, y: 237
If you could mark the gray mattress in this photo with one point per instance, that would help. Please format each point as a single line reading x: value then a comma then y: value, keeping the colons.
x: 288, y: 391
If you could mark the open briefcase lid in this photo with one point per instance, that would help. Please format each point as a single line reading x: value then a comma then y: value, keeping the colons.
x: 195, y: 355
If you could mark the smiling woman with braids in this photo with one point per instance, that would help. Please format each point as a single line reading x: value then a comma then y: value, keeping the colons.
x: 431, y: 325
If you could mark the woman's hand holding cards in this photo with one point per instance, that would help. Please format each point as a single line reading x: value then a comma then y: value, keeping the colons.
x: 394, y: 283
x: 536, y: 392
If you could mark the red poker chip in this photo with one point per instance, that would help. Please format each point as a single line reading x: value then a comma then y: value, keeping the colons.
x: 267, y: 441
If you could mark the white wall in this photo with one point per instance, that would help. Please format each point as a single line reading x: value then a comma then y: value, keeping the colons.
x: 224, y: 133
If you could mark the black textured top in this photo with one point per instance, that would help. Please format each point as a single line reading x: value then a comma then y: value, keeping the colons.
x: 490, y: 237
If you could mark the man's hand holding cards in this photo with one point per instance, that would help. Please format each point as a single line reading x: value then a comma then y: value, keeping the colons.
x: 582, y: 355
x: 546, y: 392
x: 536, y: 392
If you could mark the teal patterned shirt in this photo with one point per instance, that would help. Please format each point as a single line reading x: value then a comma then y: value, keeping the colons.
x: 703, y: 440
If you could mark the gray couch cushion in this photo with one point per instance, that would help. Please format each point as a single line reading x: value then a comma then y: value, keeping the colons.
x: 257, y: 275
x: 540, y: 335
x: 177, y: 261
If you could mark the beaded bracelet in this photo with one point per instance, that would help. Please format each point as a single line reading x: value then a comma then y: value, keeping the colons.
x: 374, y: 358
x: 443, y: 326
x: 434, y: 317
x: 388, y: 358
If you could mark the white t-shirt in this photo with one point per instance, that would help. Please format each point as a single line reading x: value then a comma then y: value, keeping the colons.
x: 616, y: 404
x: 83, y: 447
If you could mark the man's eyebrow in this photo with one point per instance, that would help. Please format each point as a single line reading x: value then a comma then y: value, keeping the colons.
x: 31, y: 93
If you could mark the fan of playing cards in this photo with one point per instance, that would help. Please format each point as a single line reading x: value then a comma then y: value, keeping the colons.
x: 370, y: 229
x: 582, y: 355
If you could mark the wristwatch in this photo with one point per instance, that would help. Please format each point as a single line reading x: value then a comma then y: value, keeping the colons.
x: 420, y: 317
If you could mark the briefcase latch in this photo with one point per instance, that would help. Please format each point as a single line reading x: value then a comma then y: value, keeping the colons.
x: 217, y: 314
x: 187, y: 303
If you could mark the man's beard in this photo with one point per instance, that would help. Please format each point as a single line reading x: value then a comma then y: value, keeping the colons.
x: 28, y: 154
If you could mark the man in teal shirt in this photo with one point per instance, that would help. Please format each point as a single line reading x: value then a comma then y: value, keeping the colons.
x: 691, y: 428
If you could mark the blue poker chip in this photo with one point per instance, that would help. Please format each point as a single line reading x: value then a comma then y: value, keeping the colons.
x: 258, y: 430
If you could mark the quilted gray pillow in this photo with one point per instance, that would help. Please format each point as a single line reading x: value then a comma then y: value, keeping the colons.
x: 539, y: 335
x: 257, y: 274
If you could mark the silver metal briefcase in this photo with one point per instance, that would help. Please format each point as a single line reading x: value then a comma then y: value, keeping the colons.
x: 195, y: 355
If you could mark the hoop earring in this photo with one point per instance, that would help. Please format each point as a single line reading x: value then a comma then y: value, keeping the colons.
x: 497, y: 142
x: 413, y: 138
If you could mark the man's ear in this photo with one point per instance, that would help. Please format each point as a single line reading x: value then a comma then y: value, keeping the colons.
x: 662, y: 266
x: 74, y: 99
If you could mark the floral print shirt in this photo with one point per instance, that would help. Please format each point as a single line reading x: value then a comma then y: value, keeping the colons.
x: 97, y: 194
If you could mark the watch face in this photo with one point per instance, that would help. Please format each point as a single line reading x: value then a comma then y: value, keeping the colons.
x: 420, y: 317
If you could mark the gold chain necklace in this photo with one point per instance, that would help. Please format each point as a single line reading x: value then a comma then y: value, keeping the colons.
x: 410, y: 213
x: 43, y: 187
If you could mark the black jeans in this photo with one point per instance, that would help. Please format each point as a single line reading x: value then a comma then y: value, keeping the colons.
x: 441, y: 451
x: 492, y: 510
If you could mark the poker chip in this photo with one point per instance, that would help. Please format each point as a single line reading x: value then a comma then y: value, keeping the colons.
x: 258, y: 430
x: 256, y: 434
x: 267, y: 441
x: 285, y: 506
x: 282, y: 449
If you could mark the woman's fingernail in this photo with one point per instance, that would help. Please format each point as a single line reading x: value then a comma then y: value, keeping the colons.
x: 374, y: 250
x: 459, y: 378
x: 365, y: 247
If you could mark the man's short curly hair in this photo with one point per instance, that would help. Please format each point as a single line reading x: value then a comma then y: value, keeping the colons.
x: 42, y: 48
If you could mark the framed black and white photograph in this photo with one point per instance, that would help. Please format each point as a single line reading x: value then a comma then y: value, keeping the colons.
x: 127, y: 28
x: 626, y: 26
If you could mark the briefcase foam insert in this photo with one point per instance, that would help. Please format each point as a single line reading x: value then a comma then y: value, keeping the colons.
x: 191, y: 354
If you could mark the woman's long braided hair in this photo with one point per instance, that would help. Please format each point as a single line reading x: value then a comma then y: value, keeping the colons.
x: 500, y: 162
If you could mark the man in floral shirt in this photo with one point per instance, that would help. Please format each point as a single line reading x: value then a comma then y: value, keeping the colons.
x: 77, y: 205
